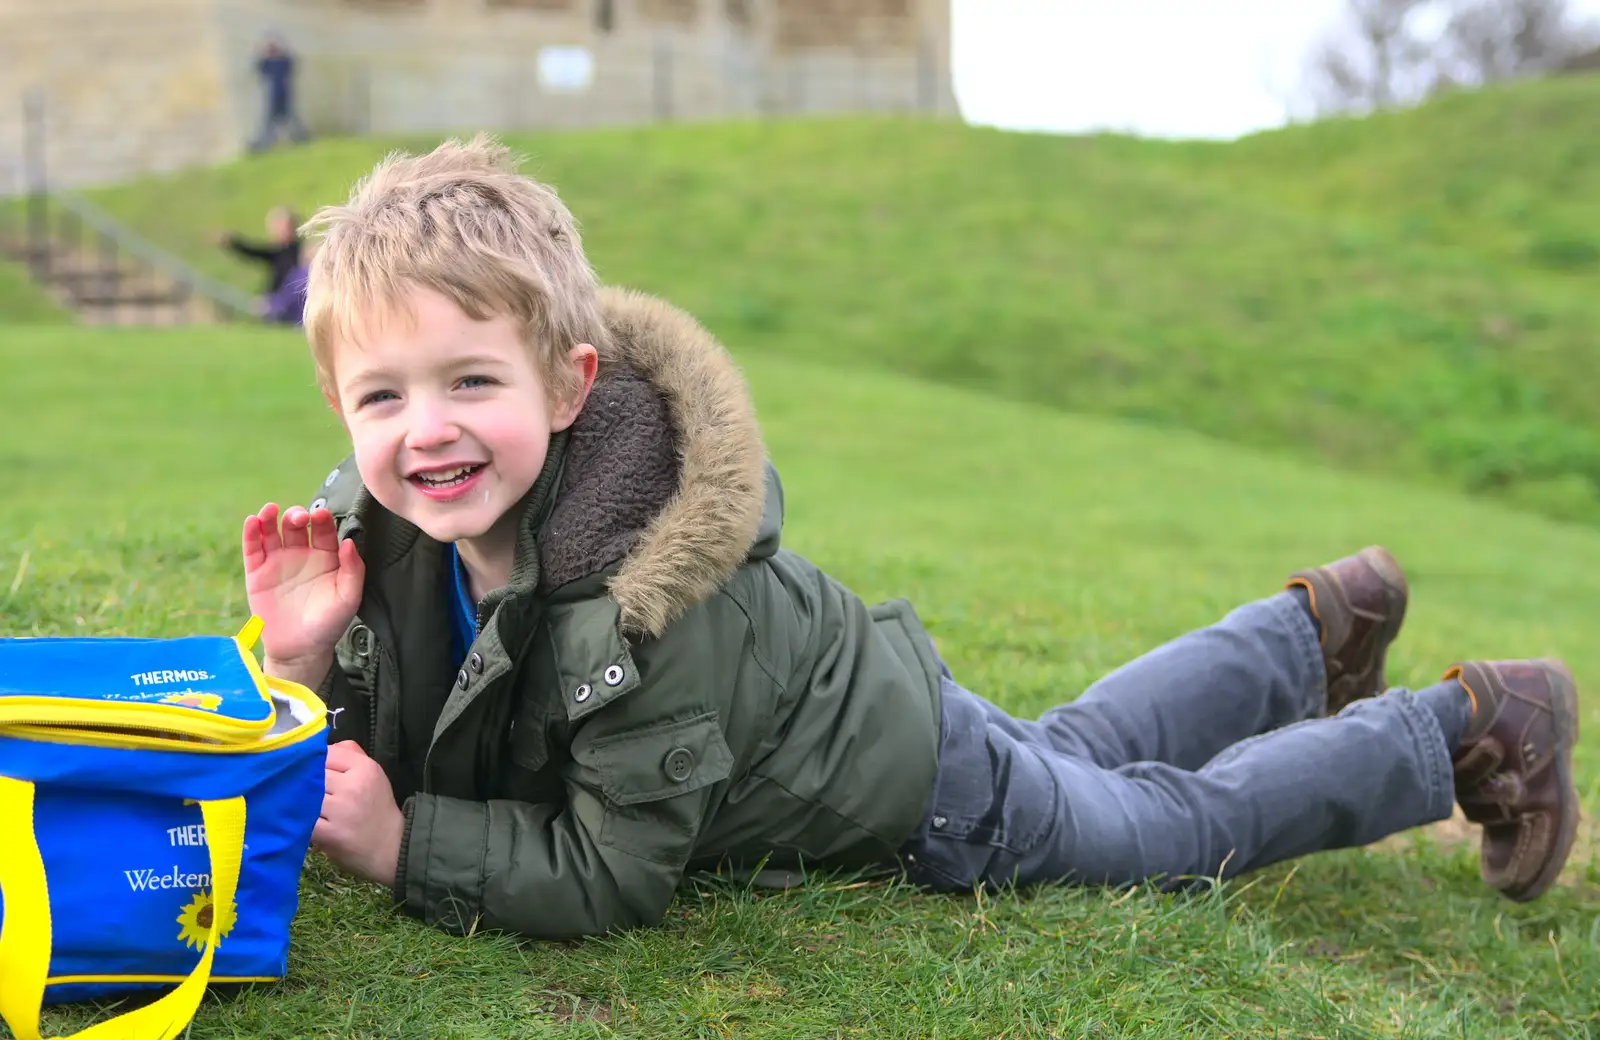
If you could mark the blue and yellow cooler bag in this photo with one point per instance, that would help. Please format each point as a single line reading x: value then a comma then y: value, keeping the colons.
x: 156, y: 802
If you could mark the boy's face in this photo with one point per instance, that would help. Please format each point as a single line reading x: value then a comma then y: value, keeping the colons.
x: 448, y: 416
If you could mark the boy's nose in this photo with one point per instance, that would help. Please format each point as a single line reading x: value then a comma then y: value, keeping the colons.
x: 430, y: 428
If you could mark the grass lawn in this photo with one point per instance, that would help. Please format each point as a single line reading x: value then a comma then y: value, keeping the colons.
x: 1042, y: 548
x: 1414, y: 295
x: 23, y: 302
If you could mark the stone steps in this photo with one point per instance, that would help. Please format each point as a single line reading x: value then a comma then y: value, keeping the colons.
x: 109, y: 291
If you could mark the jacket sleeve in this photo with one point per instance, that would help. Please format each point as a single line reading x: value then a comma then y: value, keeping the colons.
x: 610, y: 858
x: 249, y: 249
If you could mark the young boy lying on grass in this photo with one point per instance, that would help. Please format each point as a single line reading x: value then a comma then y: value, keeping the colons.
x: 546, y: 597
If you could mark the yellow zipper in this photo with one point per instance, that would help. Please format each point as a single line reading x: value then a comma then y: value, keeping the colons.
x: 142, y: 715
x: 176, y: 722
x: 96, y: 728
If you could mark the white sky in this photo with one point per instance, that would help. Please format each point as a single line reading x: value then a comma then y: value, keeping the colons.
x: 1161, y: 68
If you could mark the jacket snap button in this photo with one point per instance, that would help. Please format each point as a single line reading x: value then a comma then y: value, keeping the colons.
x: 476, y: 662
x: 679, y: 764
x: 581, y: 694
x: 461, y: 679
x: 939, y: 822
x: 316, y: 504
x: 361, y: 639
x: 613, y: 675
x: 333, y: 476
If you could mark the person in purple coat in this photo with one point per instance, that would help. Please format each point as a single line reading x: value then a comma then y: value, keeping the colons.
x: 286, y: 304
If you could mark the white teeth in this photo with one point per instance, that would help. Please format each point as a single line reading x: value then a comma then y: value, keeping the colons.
x: 445, y: 478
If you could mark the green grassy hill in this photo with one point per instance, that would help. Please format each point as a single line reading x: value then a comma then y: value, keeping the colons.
x: 23, y: 302
x: 1512, y: 175
x: 1043, y: 549
x: 1413, y: 294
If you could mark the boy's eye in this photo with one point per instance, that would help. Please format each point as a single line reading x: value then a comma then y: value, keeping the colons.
x: 470, y: 382
x: 376, y: 397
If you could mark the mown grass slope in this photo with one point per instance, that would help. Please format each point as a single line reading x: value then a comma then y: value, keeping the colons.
x: 1416, y: 294
x: 24, y: 302
x: 1042, y: 549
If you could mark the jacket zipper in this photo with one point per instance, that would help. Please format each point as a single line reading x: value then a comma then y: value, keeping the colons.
x: 370, y: 674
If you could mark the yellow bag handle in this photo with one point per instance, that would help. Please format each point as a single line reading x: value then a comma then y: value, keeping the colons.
x: 25, y: 931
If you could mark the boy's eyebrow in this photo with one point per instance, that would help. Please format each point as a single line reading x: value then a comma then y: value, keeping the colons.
x: 382, y: 375
x: 474, y: 361
x: 366, y: 375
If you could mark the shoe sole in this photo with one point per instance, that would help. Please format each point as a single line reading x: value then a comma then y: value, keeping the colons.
x: 1564, y: 706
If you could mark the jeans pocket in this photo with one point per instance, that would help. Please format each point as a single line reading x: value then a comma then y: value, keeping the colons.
x: 994, y: 802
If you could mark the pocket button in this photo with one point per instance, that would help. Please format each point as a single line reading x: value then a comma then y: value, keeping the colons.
x: 679, y: 765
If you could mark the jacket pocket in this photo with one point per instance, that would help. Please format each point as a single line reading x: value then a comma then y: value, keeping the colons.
x: 649, y: 779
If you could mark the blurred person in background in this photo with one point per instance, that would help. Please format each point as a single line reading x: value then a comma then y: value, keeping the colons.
x: 275, y: 67
x: 282, y: 253
x: 286, y: 305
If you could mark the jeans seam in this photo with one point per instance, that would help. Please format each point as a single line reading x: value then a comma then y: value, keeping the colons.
x: 1429, y: 737
x: 1234, y: 750
x: 1309, y: 643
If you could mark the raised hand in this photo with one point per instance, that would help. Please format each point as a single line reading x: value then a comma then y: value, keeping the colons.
x: 304, y: 585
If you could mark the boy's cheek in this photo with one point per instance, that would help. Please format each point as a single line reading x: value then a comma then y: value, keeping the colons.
x: 376, y: 467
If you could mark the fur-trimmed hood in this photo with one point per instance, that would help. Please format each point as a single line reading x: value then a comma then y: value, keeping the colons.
x: 661, y: 479
x: 665, y: 466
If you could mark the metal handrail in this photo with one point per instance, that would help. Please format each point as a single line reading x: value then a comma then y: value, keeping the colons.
x: 141, y: 248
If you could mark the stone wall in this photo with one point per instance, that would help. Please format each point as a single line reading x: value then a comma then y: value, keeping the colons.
x: 129, y: 86
x: 461, y: 64
x: 146, y: 85
x: 382, y: 66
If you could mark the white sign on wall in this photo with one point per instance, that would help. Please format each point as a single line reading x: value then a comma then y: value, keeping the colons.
x: 565, y: 69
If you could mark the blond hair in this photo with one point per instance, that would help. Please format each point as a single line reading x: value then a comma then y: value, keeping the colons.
x: 463, y: 222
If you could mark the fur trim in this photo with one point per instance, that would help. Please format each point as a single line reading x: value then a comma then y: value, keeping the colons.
x: 621, y: 467
x: 704, y: 531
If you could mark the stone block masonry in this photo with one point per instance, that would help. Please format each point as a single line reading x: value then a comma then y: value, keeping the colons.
x: 144, y: 86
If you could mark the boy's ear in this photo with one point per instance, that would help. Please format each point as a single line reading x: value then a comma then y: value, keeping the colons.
x: 585, y: 363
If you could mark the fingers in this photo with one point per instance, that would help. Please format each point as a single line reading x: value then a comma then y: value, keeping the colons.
x: 296, y: 522
x: 300, y: 528
x: 352, y: 574
x: 250, y: 542
x: 270, y: 540
x: 345, y: 755
x: 327, y: 836
x: 324, y: 531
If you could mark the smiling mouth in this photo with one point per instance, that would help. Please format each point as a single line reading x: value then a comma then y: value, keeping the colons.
x: 443, y: 479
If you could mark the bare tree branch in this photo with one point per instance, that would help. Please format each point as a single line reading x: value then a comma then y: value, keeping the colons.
x: 1363, y: 65
x: 1396, y: 52
x: 1490, y: 40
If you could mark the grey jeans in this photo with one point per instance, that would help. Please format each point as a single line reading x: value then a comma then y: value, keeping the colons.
x: 1205, y: 758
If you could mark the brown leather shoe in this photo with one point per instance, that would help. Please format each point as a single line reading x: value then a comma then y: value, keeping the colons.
x: 1360, y: 602
x: 1514, y: 770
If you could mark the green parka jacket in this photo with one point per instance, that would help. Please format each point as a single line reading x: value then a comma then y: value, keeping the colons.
x: 660, y: 687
